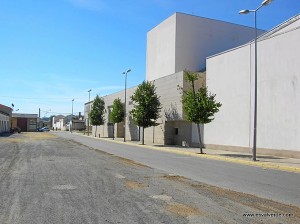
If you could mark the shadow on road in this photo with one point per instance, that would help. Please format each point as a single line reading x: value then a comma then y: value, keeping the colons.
x: 5, y: 135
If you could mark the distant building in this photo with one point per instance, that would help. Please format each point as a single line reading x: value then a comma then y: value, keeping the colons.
x: 58, y: 122
x: 5, y: 118
x: 26, y: 122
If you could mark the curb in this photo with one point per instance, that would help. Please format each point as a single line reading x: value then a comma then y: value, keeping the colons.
x: 263, y: 165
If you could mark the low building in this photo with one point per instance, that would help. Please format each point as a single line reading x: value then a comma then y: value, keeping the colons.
x: 172, y: 128
x: 78, y: 125
x: 5, y: 118
x: 58, y: 123
x: 26, y: 122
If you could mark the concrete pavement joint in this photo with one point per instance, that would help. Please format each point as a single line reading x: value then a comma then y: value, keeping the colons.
x: 212, y: 157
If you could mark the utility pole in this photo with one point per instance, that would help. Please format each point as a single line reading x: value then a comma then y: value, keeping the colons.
x: 88, y: 119
x: 246, y: 11
x: 125, y: 73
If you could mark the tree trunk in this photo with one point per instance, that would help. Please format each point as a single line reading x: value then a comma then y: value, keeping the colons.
x: 200, y: 141
x: 113, y: 131
x: 143, y: 142
x: 96, y: 131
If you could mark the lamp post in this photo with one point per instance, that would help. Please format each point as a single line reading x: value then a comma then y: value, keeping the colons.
x: 246, y: 11
x: 88, y: 119
x: 125, y: 73
x: 71, y: 121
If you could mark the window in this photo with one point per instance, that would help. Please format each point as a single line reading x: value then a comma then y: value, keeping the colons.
x: 176, y: 131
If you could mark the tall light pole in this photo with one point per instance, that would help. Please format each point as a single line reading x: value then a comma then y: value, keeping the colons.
x: 246, y: 11
x: 71, y: 126
x: 88, y: 119
x: 125, y: 73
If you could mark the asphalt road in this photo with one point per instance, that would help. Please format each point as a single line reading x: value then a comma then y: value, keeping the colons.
x: 49, y: 179
x: 276, y: 185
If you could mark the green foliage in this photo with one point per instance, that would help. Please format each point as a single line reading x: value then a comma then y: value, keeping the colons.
x: 97, y: 112
x: 117, y: 113
x: 191, y: 77
x: 200, y: 106
x: 147, y: 105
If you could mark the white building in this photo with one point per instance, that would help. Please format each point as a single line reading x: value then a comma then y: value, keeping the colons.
x: 59, y: 123
x: 180, y: 42
x: 184, y: 41
x: 230, y: 75
x: 5, y: 118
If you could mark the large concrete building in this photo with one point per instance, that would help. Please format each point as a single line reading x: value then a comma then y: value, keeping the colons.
x: 180, y: 42
x: 230, y: 75
x: 184, y: 41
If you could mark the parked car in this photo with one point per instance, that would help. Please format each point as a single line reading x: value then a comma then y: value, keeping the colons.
x: 44, y: 129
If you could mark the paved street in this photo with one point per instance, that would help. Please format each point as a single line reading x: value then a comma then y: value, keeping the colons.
x: 67, y: 178
x: 271, y: 184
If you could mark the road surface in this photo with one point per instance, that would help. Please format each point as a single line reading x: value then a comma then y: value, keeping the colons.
x: 50, y: 179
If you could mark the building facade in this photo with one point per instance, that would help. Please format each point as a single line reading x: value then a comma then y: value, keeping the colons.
x: 181, y: 42
x: 278, y: 117
x: 5, y: 118
x: 26, y: 122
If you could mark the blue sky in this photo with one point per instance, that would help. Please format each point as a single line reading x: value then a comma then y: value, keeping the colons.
x: 53, y: 51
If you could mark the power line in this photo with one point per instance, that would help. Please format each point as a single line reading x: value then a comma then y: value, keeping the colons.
x: 36, y: 98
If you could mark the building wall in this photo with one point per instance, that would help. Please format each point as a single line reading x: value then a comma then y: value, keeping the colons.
x: 160, y: 57
x: 184, y: 41
x: 4, y: 123
x: 231, y: 77
x: 24, y: 123
x: 171, y: 116
x: 5, y: 118
x: 87, y: 109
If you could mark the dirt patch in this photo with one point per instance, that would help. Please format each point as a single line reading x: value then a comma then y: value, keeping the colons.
x: 28, y: 136
x: 133, y: 184
x: 249, y: 200
x: 182, y: 210
x: 174, y: 178
x: 131, y: 162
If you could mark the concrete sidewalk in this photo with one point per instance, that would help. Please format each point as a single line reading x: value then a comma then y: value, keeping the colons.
x: 263, y: 161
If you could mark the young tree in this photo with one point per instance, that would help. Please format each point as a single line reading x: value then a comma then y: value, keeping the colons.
x: 147, y: 106
x: 117, y: 114
x: 97, y: 112
x: 199, y: 105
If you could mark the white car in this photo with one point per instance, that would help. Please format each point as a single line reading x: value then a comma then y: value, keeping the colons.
x: 44, y: 129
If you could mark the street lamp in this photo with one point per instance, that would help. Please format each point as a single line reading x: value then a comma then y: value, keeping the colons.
x: 88, y: 119
x: 246, y: 11
x: 125, y: 73
x: 71, y: 121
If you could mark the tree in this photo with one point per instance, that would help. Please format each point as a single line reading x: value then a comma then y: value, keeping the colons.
x: 97, y: 112
x: 199, y: 105
x: 117, y: 114
x: 147, y: 106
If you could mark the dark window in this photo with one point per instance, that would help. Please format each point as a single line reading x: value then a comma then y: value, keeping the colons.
x: 176, y: 131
